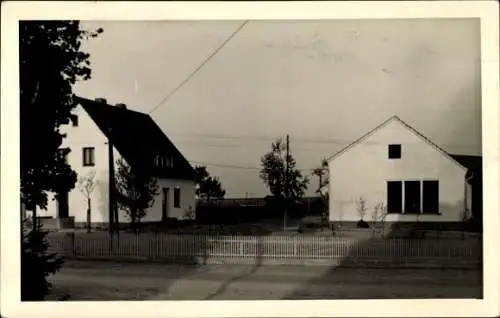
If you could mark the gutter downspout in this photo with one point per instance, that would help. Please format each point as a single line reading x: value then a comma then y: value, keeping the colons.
x: 467, y: 179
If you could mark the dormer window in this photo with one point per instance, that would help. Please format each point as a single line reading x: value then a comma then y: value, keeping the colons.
x: 74, y: 120
x: 394, y: 151
x: 163, y: 162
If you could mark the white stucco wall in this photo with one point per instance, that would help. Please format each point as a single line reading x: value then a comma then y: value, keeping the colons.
x: 187, y: 200
x: 364, y: 169
x: 87, y: 134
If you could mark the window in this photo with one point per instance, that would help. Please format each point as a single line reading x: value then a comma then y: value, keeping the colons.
x: 88, y: 156
x: 394, y: 151
x: 74, y: 120
x: 163, y: 162
x: 394, y: 196
x: 430, y: 197
x: 412, y: 197
x: 177, y: 198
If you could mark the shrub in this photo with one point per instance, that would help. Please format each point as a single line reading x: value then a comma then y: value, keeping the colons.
x: 473, y: 225
x: 363, y: 224
x: 36, y: 265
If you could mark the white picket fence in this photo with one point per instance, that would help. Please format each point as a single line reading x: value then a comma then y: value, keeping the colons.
x: 300, y: 247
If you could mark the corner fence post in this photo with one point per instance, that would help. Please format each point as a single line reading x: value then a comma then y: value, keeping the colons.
x: 69, y: 244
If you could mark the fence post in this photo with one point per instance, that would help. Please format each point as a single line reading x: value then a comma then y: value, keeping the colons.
x: 137, y: 244
x: 241, y: 247
x: 295, y: 247
x: 69, y: 244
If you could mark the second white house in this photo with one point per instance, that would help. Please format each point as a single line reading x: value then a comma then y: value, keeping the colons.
x: 138, y: 140
x: 396, y: 166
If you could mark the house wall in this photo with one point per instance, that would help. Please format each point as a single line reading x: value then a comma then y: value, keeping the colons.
x: 187, y: 200
x: 364, y: 169
x: 87, y: 134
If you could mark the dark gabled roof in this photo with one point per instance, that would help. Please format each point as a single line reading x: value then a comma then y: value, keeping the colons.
x: 138, y: 139
x: 473, y: 163
x: 410, y: 128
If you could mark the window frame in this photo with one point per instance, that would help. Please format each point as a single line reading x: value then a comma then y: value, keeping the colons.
x: 91, y: 152
x: 422, y: 196
x: 391, y: 155
x: 74, y: 120
x: 177, y: 197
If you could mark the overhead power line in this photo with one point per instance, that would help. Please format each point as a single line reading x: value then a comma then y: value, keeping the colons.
x: 198, y: 137
x: 217, y: 50
x: 236, y: 166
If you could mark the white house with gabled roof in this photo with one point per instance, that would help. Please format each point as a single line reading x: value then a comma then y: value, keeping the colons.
x: 136, y: 139
x: 395, y: 165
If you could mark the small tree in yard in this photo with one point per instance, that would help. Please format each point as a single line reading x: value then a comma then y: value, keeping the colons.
x: 86, y: 184
x: 379, y: 216
x: 362, y: 209
x: 136, y: 190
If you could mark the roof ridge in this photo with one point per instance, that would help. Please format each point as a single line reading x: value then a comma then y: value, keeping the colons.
x: 409, y: 127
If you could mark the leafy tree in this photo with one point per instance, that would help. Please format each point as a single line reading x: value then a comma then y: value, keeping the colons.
x: 274, y: 174
x: 86, y: 184
x: 136, y: 190
x: 51, y: 62
x: 207, y: 187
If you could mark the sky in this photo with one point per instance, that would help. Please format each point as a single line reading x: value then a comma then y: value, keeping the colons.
x: 325, y: 83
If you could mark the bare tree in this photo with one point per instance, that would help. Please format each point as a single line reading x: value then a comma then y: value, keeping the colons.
x: 86, y: 184
x: 361, y: 207
x: 378, y: 219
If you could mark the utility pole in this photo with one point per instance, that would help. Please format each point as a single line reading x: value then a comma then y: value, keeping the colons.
x: 286, y: 181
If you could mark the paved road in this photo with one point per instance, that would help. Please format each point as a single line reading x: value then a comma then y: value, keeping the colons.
x: 134, y: 281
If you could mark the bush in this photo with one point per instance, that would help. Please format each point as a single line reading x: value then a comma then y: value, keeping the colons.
x: 473, y: 225
x: 363, y: 225
x: 36, y: 265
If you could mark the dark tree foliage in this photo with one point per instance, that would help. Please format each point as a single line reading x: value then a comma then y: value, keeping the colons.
x: 136, y: 190
x: 51, y: 62
x: 207, y: 187
x: 36, y: 264
x: 274, y: 174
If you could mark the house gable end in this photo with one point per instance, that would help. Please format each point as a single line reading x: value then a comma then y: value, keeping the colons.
x: 408, y: 128
x: 139, y: 140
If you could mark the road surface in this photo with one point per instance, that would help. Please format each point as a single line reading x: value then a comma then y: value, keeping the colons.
x: 85, y: 280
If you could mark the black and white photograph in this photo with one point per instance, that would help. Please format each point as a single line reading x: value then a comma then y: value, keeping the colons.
x: 250, y: 159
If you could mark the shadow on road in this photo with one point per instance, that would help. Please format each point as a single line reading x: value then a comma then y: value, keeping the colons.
x: 402, y: 269
x: 257, y: 263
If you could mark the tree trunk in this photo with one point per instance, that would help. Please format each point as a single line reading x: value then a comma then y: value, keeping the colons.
x: 132, y: 220
x: 88, y: 215
x: 35, y: 227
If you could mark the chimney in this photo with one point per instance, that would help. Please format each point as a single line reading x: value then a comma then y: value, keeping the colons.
x: 121, y: 105
x: 101, y: 100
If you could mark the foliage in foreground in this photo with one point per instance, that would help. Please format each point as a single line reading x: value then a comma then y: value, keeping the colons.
x: 36, y: 264
x: 50, y: 63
